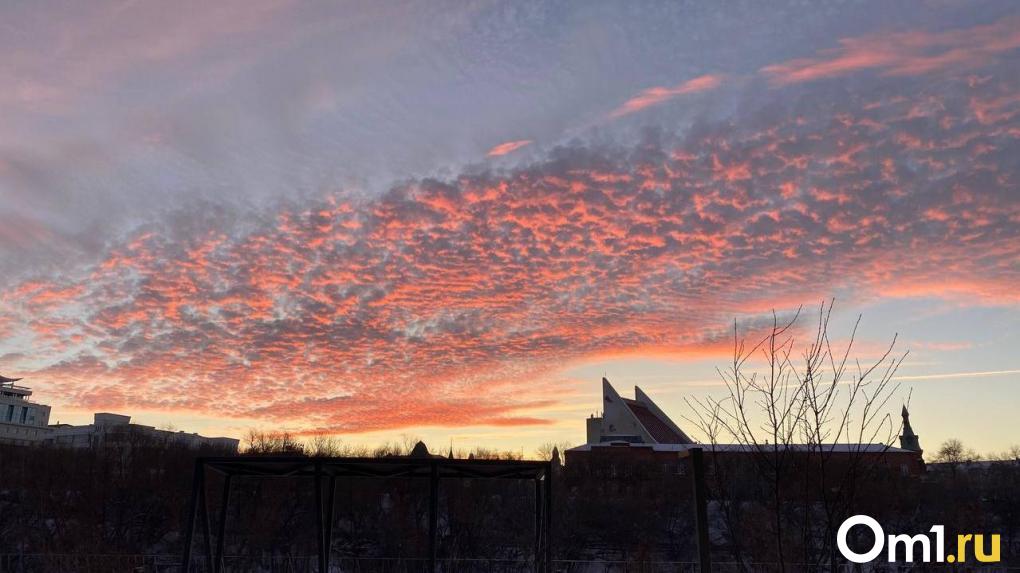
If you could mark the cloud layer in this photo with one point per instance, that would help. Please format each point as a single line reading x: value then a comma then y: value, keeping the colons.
x: 208, y: 260
x: 441, y: 301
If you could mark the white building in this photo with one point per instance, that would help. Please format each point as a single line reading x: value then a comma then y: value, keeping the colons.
x: 637, y: 421
x: 22, y: 421
x: 115, y: 430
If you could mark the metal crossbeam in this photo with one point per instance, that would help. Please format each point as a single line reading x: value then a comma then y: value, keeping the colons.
x: 435, y: 469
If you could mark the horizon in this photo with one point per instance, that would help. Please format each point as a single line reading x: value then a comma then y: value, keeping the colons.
x: 450, y: 221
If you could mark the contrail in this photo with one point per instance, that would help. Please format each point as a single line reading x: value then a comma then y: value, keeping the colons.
x: 958, y: 375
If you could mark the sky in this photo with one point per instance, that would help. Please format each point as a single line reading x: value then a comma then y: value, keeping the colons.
x: 451, y: 219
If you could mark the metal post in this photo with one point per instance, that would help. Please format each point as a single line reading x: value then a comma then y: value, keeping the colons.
x: 189, y: 528
x: 203, y: 508
x: 548, y: 517
x: 701, y: 510
x: 329, y: 519
x: 222, y: 524
x: 318, y: 517
x: 433, y: 516
x: 538, y: 523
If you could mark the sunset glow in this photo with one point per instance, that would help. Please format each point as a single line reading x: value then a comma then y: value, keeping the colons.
x: 455, y: 234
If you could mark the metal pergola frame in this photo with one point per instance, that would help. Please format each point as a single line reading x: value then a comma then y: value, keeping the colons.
x: 432, y: 469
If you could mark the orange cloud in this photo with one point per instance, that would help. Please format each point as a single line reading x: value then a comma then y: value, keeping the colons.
x: 658, y: 95
x: 439, y: 302
x: 508, y: 147
x: 905, y: 53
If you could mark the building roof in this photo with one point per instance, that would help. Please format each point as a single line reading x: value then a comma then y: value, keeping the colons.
x: 640, y: 417
x: 744, y: 448
x: 6, y: 380
x: 290, y: 466
x: 658, y: 429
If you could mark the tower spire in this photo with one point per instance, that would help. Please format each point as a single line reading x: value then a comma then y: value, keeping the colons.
x: 909, y: 440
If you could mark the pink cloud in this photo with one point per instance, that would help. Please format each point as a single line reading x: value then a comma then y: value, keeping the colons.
x: 904, y: 53
x: 658, y: 95
x: 119, y: 39
x: 508, y: 147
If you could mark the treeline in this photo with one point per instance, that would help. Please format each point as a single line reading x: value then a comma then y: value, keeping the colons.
x: 258, y: 443
x: 953, y: 452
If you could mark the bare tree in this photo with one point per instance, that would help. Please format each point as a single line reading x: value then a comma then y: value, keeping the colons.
x: 953, y: 453
x: 1010, y: 454
x: 845, y: 409
x: 544, y: 451
x: 790, y: 413
x: 269, y: 443
x: 333, y: 447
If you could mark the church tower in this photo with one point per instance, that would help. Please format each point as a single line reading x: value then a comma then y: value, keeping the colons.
x: 909, y: 440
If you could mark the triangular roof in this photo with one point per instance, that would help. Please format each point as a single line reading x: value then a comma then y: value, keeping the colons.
x: 670, y: 429
x: 643, y: 414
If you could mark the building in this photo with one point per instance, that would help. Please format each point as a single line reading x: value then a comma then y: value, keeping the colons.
x: 637, y: 421
x: 909, y: 440
x: 632, y: 433
x: 22, y: 421
x: 116, y: 430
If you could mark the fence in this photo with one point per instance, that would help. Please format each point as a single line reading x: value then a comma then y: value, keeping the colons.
x: 88, y: 563
x: 107, y: 563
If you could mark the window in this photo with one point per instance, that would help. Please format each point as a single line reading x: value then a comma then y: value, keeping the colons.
x: 673, y: 469
x: 10, y: 412
x: 24, y: 413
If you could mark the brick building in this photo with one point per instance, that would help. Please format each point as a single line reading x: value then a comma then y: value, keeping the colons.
x: 635, y: 435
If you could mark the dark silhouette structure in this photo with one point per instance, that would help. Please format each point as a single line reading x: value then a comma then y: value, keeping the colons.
x: 434, y: 469
x: 909, y: 440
